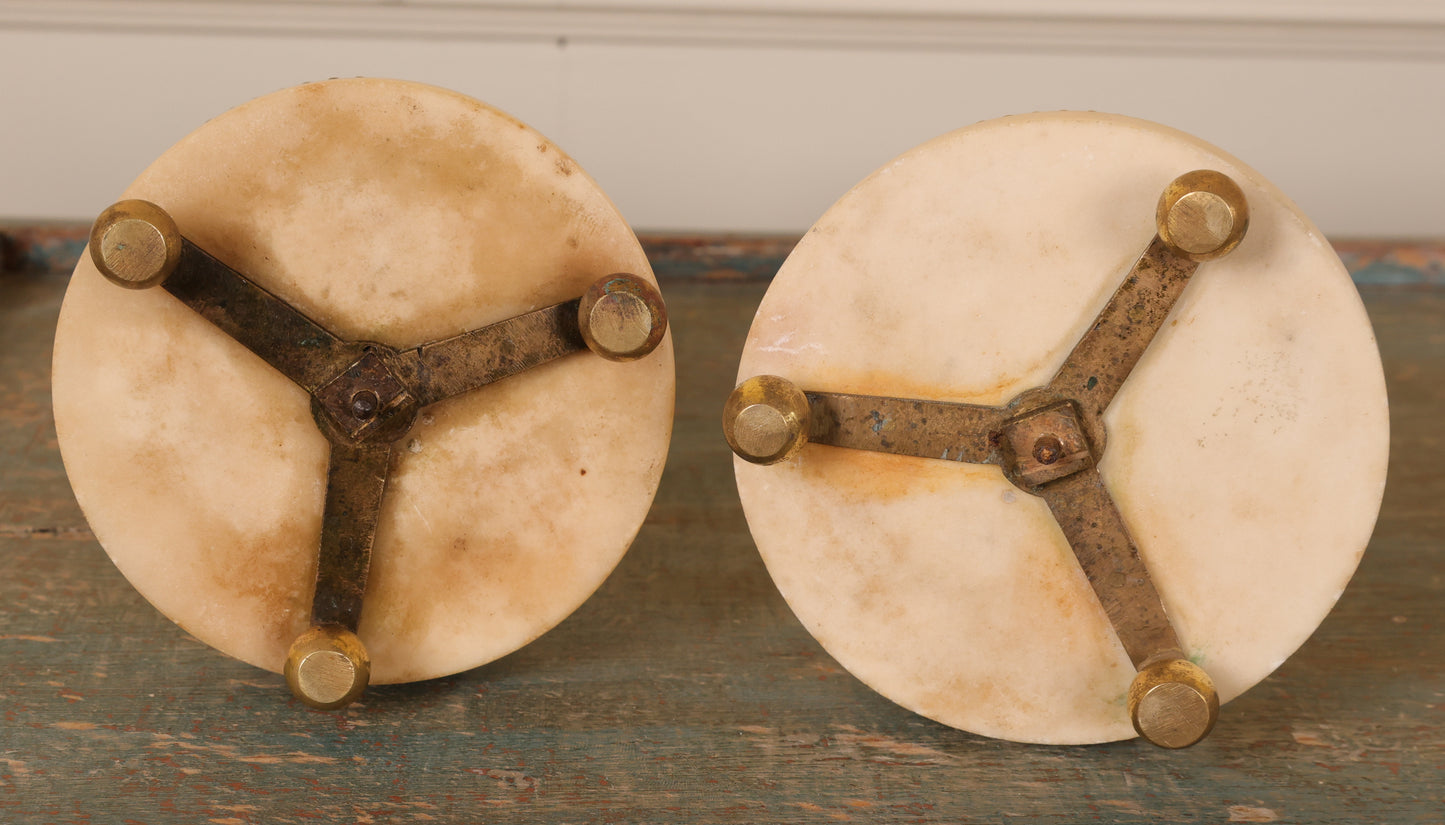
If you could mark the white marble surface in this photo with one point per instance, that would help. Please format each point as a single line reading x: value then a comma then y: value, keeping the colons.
x: 391, y: 212
x: 1247, y: 451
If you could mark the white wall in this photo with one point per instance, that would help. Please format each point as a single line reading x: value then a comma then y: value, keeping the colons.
x: 710, y: 115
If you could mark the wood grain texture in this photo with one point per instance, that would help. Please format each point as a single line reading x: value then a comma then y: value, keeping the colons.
x: 684, y: 690
x: 55, y: 246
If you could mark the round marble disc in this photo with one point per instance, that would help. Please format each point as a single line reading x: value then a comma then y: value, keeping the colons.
x: 390, y: 212
x: 1247, y: 451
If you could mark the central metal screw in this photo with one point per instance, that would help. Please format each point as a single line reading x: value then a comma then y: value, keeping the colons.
x: 1048, y: 449
x: 364, y: 404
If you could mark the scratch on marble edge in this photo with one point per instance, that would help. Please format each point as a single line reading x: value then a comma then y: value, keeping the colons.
x: 420, y: 514
x: 777, y: 346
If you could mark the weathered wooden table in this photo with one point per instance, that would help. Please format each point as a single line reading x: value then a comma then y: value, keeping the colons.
x: 684, y: 690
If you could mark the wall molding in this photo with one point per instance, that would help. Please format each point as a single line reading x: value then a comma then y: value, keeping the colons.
x: 1389, y: 29
x: 687, y: 111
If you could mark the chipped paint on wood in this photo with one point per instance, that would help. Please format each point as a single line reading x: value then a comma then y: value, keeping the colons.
x: 55, y: 247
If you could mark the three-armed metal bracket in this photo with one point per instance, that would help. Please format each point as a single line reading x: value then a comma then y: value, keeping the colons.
x: 364, y: 397
x: 1048, y: 442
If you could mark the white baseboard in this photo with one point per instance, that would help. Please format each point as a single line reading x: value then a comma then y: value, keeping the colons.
x: 1389, y: 28
x: 751, y: 116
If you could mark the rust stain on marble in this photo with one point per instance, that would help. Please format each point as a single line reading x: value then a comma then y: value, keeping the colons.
x: 271, y: 568
x: 864, y: 476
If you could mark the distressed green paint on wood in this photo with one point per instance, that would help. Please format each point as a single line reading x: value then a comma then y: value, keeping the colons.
x: 684, y: 690
x: 56, y: 246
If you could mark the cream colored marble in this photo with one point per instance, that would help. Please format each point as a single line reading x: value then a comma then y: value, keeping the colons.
x: 392, y: 212
x: 1247, y: 451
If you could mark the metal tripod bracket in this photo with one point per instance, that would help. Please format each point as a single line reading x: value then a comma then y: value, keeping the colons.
x: 1048, y: 441
x: 364, y: 398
